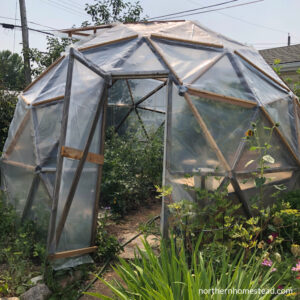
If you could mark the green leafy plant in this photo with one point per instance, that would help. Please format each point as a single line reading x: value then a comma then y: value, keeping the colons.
x: 171, y: 276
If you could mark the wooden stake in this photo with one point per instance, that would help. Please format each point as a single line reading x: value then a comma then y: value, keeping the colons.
x: 207, y: 134
x: 261, y: 70
x: 158, y: 36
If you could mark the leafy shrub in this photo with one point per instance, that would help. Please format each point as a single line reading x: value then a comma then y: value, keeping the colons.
x: 131, y: 169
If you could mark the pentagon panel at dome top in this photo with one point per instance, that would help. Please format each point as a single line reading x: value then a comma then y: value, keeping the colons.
x: 283, y: 112
x: 111, y: 57
x: 185, y: 60
x: 278, y: 150
x: 32, y: 91
x: 106, y: 35
x: 226, y: 122
x: 222, y: 78
x: 265, y: 89
x: 189, y: 31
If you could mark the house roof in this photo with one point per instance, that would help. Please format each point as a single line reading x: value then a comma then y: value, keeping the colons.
x: 287, y: 54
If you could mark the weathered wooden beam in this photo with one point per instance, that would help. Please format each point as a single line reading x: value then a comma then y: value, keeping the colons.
x: 17, y: 134
x: 206, y: 133
x: 283, y: 139
x: 63, y: 132
x: 261, y: 70
x: 151, y: 109
x: 124, y: 39
x: 90, y: 65
x: 174, y: 39
x: 77, y: 154
x: 44, y: 73
x: 297, y: 121
x: 151, y: 93
x: 50, y: 100
x: 76, y: 178
x: 18, y: 164
x: 139, y: 74
x: 222, y: 98
x: 72, y: 253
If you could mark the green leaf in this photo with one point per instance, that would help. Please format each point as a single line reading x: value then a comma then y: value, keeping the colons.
x: 249, y: 163
x: 268, y: 158
x: 259, y: 181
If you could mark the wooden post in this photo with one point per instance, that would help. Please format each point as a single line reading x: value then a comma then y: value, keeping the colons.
x: 52, y: 224
x: 25, y: 39
x: 164, y: 224
x: 79, y: 169
x: 100, y: 168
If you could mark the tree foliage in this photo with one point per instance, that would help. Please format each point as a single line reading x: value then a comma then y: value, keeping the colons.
x: 109, y: 11
x: 11, y: 71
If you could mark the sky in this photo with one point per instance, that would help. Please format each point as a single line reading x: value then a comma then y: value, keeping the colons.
x: 264, y: 24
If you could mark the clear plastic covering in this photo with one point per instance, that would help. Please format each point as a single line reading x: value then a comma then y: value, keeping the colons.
x: 203, y: 138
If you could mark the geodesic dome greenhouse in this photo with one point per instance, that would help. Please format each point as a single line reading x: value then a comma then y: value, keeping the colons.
x: 204, y: 89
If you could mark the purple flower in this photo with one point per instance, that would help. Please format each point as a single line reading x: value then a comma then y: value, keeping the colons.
x: 273, y: 270
x: 267, y: 262
x: 107, y: 208
x: 297, y: 268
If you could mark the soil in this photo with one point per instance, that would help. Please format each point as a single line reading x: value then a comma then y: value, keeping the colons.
x: 124, y: 230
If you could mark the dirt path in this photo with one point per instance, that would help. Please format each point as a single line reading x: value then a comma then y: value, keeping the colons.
x: 125, y: 230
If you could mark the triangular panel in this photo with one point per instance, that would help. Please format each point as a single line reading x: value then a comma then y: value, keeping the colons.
x: 189, y: 31
x: 115, y: 114
x: 119, y: 93
x: 157, y: 101
x: 278, y: 151
x: 23, y: 149
x: 186, y: 61
x: 151, y: 120
x: 142, y: 87
x: 222, y: 79
x: 282, y: 112
x: 190, y: 152
x: 265, y: 89
x: 41, y: 210
x: 227, y: 123
x: 143, y: 59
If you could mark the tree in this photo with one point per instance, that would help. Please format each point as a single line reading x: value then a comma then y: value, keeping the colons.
x: 11, y: 71
x: 109, y: 11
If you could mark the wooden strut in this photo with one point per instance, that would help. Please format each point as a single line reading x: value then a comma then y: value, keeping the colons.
x: 44, y: 73
x: 30, y: 196
x: 77, y: 154
x: 128, y: 38
x: 206, y: 132
x: 18, y: 164
x: 151, y: 93
x: 158, y: 36
x: 17, y: 134
x: 156, y: 51
x: 267, y: 171
x: 54, y: 99
x: 222, y: 98
x: 153, y: 110
x: 139, y: 74
x: 51, y: 233
x: 79, y: 169
x: 297, y: 121
x: 72, y: 253
x: 99, y: 175
x: 24, y: 99
x: 207, y: 67
x: 281, y: 135
x: 261, y: 70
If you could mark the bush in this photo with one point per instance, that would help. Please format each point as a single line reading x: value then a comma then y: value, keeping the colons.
x: 131, y: 170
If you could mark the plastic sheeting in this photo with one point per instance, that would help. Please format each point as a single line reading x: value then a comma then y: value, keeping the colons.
x: 189, y: 145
